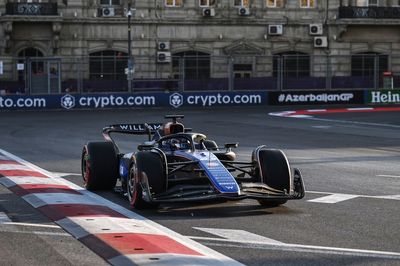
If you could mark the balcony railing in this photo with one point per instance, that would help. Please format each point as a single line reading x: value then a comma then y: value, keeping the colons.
x: 372, y: 12
x: 32, y: 9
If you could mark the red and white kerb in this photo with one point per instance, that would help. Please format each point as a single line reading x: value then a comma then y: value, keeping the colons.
x: 118, y: 235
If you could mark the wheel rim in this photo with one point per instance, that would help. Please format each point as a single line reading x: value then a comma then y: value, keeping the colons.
x: 85, y: 167
x: 132, y: 187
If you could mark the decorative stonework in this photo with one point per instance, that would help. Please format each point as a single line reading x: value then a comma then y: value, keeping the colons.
x: 243, y: 48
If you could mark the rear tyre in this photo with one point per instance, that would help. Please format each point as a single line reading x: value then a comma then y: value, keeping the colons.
x: 147, y: 173
x: 99, y: 166
x: 274, y: 171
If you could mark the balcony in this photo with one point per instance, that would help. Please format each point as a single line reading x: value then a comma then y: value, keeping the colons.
x: 32, y: 9
x: 372, y: 12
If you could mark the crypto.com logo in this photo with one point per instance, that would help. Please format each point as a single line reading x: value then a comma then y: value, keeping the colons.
x: 68, y: 101
x: 176, y: 99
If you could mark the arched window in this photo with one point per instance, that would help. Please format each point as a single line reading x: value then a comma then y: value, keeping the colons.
x: 291, y: 64
x: 108, y: 65
x: 36, y: 66
x: 196, y: 65
x: 363, y: 64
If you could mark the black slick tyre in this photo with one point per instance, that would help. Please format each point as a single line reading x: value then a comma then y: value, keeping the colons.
x: 99, y: 166
x: 274, y: 171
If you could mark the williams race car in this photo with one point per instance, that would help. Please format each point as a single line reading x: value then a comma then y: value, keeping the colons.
x: 178, y: 165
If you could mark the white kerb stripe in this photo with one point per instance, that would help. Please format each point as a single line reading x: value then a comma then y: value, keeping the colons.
x: 41, y: 199
x: 360, y: 109
x: 170, y: 260
x: 11, y: 181
x: 14, y: 167
x: 334, y: 198
x: 300, y: 116
x: 83, y: 226
x: 3, y: 157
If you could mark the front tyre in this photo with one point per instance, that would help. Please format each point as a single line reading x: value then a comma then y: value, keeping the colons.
x: 147, y: 174
x: 274, y: 171
x: 99, y: 166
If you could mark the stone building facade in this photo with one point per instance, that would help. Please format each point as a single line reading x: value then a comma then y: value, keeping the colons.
x: 221, y: 38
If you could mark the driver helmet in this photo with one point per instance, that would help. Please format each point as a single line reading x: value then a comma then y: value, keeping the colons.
x: 173, y: 128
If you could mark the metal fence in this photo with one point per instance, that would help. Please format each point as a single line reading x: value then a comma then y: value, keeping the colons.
x: 41, y: 75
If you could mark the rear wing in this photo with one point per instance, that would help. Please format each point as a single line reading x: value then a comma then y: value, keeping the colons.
x: 133, y: 129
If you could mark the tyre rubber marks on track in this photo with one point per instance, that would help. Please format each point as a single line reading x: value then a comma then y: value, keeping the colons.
x: 118, y: 235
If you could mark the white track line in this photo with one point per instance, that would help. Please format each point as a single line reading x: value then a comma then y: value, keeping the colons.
x: 395, y: 176
x: 4, y: 218
x: 335, y: 198
x: 303, y: 249
x: 33, y: 225
x: 391, y: 197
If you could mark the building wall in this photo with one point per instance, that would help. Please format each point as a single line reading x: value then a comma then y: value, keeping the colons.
x: 79, y: 29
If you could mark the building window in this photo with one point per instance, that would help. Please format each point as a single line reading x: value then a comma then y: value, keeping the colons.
x: 196, y: 65
x: 396, y: 3
x: 274, y: 3
x: 364, y: 64
x: 307, y: 3
x: 108, y: 65
x: 291, y: 64
x: 242, y: 70
x: 173, y: 2
x: 364, y: 3
x: 109, y: 2
x: 206, y: 3
x: 244, y: 3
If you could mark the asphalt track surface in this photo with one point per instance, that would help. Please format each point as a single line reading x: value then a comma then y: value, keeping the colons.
x: 350, y: 164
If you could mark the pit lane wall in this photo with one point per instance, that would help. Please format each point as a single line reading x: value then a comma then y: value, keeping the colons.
x: 196, y: 99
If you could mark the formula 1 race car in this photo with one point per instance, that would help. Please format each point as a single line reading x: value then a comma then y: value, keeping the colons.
x: 177, y: 165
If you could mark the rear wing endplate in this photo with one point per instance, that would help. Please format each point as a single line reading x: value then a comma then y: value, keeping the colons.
x: 134, y: 129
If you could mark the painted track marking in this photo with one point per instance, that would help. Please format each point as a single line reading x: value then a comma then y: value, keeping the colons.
x: 243, y: 238
x: 4, y: 218
x: 334, y: 198
x: 352, y: 196
x: 395, y: 176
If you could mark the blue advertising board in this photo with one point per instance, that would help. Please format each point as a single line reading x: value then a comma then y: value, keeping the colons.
x: 130, y: 100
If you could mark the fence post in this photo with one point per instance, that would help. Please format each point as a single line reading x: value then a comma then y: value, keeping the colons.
x: 328, y: 80
x: 79, y: 81
x: 230, y: 73
x: 279, y: 74
x: 182, y: 73
x: 376, y: 72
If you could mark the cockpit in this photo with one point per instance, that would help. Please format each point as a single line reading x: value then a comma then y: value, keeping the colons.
x: 184, y: 141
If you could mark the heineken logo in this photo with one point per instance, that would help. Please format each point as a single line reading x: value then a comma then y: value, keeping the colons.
x: 385, y: 97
